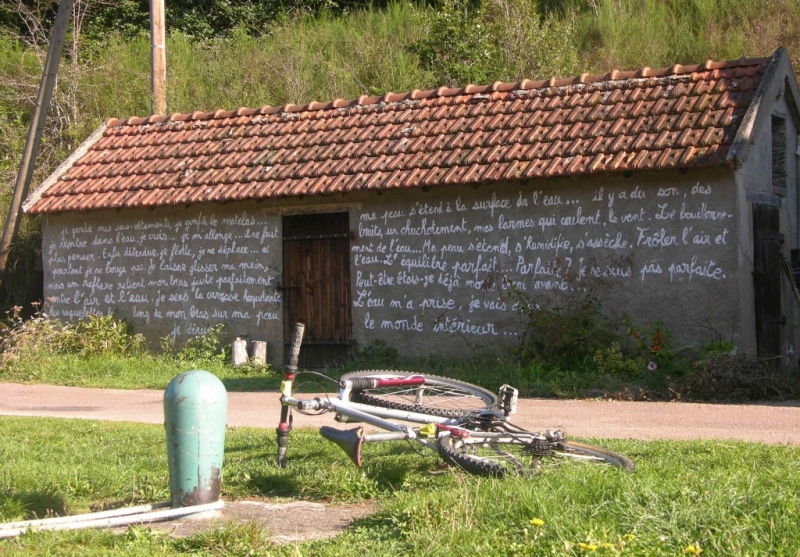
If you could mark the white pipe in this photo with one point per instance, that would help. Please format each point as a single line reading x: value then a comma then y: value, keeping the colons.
x: 154, y: 516
x: 79, y: 517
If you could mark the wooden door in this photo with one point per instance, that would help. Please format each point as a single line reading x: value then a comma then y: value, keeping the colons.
x: 767, y: 241
x: 316, y: 286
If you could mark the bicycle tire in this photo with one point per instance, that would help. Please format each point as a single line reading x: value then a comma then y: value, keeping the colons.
x: 506, y: 456
x: 446, y: 398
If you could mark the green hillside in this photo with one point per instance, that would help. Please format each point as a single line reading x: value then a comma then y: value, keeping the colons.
x: 231, y: 53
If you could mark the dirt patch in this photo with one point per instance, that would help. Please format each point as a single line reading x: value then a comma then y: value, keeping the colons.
x: 290, y: 522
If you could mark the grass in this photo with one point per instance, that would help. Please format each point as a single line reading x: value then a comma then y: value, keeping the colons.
x: 302, y: 59
x: 151, y: 371
x: 35, y: 354
x: 144, y: 371
x: 297, y: 60
x: 728, y: 498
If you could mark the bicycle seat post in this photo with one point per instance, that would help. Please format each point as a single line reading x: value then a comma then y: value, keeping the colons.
x: 289, y: 372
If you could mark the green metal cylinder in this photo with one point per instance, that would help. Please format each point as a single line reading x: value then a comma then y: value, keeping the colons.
x: 195, y: 416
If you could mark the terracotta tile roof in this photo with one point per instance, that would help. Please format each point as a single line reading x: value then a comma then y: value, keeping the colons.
x: 648, y: 119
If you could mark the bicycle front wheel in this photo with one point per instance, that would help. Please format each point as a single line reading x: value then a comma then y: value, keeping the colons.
x: 500, y: 455
x: 438, y: 396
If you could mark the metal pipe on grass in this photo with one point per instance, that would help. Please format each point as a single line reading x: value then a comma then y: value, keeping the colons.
x: 79, y: 517
x: 91, y: 521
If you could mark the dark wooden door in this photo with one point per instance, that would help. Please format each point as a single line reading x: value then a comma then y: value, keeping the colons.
x: 316, y: 286
x: 767, y: 241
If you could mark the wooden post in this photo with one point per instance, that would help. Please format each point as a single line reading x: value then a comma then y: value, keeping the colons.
x: 259, y: 352
x: 158, y: 57
x: 37, y: 127
x: 239, y: 352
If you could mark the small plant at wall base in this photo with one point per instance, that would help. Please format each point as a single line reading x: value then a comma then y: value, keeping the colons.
x: 651, y: 343
x: 376, y: 354
x: 208, y: 347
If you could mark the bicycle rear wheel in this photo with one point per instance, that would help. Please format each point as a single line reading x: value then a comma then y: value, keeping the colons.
x: 438, y: 396
x: 519, y: 454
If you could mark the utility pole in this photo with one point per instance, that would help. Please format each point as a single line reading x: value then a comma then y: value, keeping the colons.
x: 158, y: 57
x: 26, y: 167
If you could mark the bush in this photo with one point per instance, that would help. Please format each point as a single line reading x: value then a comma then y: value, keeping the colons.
x: 494, y: 40
x: 742, y: 377
x: 458, y: 47
x: 96, y: 335
x: 611, y: 361
x: 565, y: 327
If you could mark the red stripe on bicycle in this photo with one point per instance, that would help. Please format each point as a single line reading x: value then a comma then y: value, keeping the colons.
x: 400, y: 381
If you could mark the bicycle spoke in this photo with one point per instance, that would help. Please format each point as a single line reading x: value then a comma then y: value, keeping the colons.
x: 430, y: 396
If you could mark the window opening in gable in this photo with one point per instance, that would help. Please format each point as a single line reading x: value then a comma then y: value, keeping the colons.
x: 778, y: 155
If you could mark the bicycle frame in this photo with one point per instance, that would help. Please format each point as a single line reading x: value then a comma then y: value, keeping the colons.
x: 356, y: 412
x: 348, y: 411
x: 378, y: 417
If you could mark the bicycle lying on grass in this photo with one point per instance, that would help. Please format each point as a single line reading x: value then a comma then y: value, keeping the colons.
x: 466, y: 424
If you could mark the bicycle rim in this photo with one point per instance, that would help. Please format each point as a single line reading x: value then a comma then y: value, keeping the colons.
x: 498, y: 457
x: 593, y: 454
x: 439, y: 396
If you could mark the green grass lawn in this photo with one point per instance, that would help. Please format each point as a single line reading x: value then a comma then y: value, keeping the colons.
x: 730, y: 498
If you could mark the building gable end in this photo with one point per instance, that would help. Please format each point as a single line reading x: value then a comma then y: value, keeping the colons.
x: 64, y: 167
x: 778, y: 80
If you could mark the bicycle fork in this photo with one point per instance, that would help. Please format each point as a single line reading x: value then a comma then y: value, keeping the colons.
x: 283, y: 429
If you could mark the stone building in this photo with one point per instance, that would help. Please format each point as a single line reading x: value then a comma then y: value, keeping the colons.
x: 409, y: 218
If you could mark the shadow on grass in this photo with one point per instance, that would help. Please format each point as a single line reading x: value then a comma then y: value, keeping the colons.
x: 252, y: 384
x: 29, y: 505
x: 316, y: 474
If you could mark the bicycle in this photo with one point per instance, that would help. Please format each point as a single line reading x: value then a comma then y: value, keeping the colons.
x: 467, y: 425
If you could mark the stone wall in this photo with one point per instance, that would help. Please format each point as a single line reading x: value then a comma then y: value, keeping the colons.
x: 431, y: 272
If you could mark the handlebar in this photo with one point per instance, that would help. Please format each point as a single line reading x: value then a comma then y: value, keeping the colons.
x: 294, y: 349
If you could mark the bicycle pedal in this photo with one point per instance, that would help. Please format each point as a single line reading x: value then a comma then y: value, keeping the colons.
x: 342, y: 419
x: 428, y: 430
x: 509, y: 397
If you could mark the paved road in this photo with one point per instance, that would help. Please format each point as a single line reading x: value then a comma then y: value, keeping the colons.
x: 768, y: 423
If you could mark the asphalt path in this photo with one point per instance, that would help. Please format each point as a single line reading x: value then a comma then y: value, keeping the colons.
x: 766, y: 422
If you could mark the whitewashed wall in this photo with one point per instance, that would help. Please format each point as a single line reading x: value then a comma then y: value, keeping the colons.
x: 430, y: 271
x: 168, y: 272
